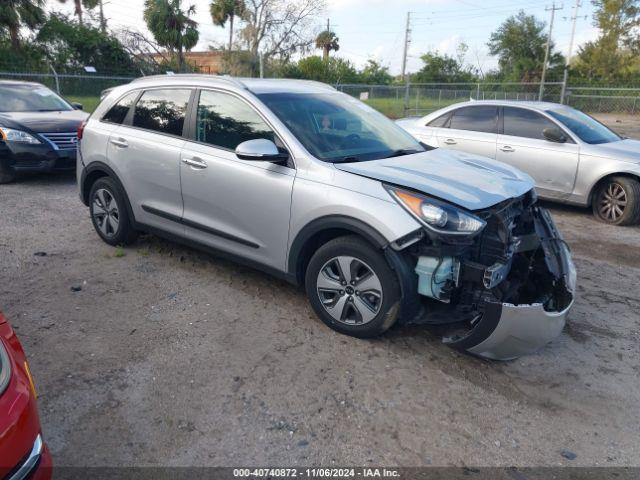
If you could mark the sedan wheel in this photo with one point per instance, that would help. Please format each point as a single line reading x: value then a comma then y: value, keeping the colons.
x: 617, y: 201
x: 612, y: 203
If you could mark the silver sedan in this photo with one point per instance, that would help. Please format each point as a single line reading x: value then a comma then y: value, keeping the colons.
x: 572, y: 157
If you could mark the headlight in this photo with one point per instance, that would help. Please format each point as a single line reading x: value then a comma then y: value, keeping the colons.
x: 11, y: 135
x: 436, y: 215
x: 5, y: 368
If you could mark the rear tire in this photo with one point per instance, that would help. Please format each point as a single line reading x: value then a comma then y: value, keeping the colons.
x: 109, y: 213
x: 617, y: 201
x: 7, y: 174
x: 352, y: 288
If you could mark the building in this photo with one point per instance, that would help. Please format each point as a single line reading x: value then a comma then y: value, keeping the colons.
x: 206, y: 62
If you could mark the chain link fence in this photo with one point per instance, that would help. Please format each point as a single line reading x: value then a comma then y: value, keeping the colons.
x: 420, y: 99
x: 393, y: 100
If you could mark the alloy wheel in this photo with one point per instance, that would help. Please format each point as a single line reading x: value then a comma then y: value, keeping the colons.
x: 349, y: 290
x: 105, y: 212
x: 613, y: 202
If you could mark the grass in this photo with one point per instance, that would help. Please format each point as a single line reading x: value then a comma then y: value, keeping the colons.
x: 119, y: 252
x: 89, y: 103
x: 391, y: 107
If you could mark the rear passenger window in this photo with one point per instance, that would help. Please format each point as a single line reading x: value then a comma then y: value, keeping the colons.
x: 119, y: 111
x: 226, y: 121
x: 440, y: 122
x: 162, y: 111
x: 519, y: 122
x: 476, y: 119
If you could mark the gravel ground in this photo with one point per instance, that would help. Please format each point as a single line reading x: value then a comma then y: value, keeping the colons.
x: 171, y: 357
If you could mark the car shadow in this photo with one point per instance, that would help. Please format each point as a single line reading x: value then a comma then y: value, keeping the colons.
x: 50, y: 178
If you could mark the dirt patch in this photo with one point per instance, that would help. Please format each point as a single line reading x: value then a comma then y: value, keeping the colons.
x: 166, y: 356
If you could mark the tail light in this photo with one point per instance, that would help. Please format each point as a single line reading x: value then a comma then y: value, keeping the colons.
x: 81, y: 130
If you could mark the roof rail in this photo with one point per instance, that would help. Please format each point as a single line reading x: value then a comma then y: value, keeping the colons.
x: 196, y: 76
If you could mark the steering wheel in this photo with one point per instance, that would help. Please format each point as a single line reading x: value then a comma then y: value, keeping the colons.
x: 350, y: 140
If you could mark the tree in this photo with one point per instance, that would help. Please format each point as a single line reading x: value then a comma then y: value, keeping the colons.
x: 70, y: 45
x: 79, y: 4
x: 613, y: 57
x: 223, y: 10
x: 172, y: 26
x: 442, y: 68
x: 327, y: 41
x: 333, y: 70
x: 520, y: 44
x: 280, y: 27
x: 15, y: 14
x: 375, y: 74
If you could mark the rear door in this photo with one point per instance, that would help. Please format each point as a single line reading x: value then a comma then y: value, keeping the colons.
x: 145, y: 152
x: 472, y: 129
x: 521, y: 143
x: 239, y: 206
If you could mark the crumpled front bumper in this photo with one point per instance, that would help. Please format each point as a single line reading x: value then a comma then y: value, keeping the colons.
x: 507, y: 331
x: 521, y: 329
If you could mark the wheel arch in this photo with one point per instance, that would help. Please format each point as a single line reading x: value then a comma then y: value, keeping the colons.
x: 322, y: 230
x: 92, y: 174
x: 604, y: 178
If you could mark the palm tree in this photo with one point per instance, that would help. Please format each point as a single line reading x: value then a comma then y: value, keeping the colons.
x: 172, y: 26
x: 15, y: 14
x: 80, y: 4
x: 327, y: 41
x: 223, y: 10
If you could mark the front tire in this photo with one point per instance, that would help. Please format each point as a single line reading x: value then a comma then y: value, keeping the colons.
x: 109, y: 213
x: 617, y: 201
x: 7, y: 174
x: 352, y: 288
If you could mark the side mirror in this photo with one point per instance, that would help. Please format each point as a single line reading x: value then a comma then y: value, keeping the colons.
x: 554, y: 135
x: 76, y: 105
x: 261, y: 150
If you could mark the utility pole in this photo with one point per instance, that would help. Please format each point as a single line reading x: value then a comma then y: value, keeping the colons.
x: 407, y: 41
x: 103, y: 22
x: 405, y: 75
x: 546, y: 52
x: 565, y: 76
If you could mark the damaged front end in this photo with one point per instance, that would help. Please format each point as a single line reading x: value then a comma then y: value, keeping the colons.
x: 499, y: 292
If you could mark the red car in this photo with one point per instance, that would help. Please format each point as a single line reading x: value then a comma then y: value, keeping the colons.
x: 23, y: 453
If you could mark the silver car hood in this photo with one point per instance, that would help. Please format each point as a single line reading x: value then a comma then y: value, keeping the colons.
x: 627, y: 150
x: 467, y: 180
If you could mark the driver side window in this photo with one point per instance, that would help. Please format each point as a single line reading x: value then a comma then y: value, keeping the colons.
x: 226, y: 121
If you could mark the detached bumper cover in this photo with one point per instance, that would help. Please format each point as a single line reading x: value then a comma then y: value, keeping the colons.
x: 507, y: 331
x: 521, y: 329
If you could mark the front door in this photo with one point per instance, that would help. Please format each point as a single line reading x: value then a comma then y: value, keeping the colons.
x: 239, y: 206
x: 552, y: 165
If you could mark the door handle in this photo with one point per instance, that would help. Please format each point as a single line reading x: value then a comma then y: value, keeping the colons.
x: 195, y: 162
x: 450, y: 141
x: 119, y: 142
x: 507, y: 149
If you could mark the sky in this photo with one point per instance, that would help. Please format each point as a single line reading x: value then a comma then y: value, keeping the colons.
x: 375, y: 28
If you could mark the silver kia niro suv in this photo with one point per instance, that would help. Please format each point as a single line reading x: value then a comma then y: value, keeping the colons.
x: 316, y: 187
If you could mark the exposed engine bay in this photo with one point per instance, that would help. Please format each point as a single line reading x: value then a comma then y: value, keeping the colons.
x: 518, y: 261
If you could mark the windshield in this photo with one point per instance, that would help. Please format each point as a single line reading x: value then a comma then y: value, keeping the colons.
x: 588, y: 129
x: 335, y: 127
x: 30, y: 98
